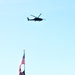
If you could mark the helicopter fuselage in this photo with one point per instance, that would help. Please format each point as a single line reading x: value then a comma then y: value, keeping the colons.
x: 35, y: 19
x: 38, y: 19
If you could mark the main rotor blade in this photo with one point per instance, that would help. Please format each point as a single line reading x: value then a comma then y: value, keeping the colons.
x: 33, y: 15
x: 39, y: 15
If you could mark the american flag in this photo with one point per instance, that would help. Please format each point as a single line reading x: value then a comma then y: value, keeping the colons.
x: 23, y: 59
x: 20, y: 70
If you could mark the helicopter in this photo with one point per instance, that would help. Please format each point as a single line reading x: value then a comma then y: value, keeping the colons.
x: 35, y: 18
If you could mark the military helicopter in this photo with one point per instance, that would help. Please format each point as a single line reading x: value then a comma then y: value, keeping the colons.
x: 35, y: 18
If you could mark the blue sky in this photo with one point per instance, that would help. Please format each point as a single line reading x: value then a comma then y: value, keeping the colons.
x: 49, y: 45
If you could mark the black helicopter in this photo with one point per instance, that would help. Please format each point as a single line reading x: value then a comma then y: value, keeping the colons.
x: 36, y: 18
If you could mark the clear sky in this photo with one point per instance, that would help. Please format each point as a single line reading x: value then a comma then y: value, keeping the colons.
x: 49, y: 45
